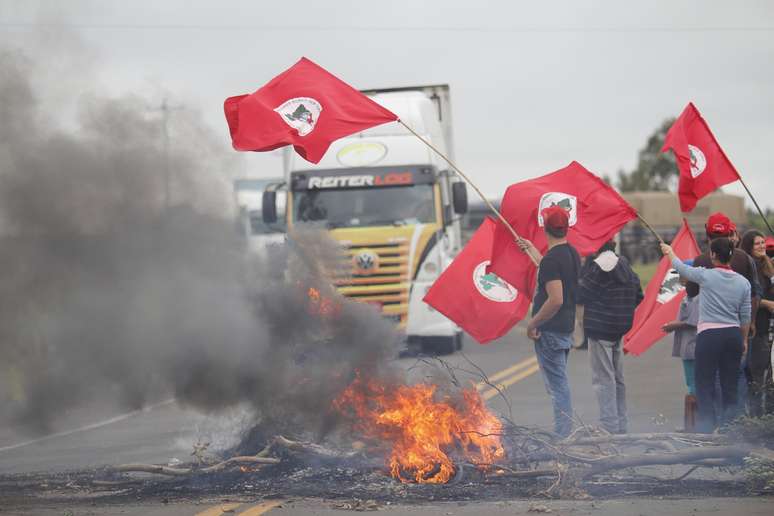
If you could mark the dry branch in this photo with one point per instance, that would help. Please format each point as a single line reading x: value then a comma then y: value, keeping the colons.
x: 152, y: 468
x: 688, y: 456
x: 313, y: 449
x: 667, y: 436
x: 182, y: 472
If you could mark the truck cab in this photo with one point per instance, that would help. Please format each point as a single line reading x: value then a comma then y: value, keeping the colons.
x: 248, y: 199
x: 393, y: 205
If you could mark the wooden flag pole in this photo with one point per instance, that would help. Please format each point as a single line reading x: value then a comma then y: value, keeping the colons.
x: 467, y: 180
x: 765, y: 220
x: 645, y: 222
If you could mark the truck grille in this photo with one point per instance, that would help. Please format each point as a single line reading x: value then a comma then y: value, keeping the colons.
x: 386, y: 284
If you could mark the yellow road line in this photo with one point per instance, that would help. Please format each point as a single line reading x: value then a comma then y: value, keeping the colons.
x: 507, y: 372
x: 491, y: 393
x: 219, y: 509
x: 262, y: 508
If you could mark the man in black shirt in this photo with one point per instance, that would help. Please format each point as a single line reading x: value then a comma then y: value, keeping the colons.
x: 553, y: 311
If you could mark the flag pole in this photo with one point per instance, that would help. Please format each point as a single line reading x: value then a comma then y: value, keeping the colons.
x: 645, y: 222
x: 765, y: 220
x: 467, y: 180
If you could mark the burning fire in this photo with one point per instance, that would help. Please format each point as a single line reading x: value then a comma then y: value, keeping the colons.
x: 321, y: 305
x: 423, y: 431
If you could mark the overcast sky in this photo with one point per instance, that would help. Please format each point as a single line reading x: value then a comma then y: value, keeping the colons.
x: 534, y: 85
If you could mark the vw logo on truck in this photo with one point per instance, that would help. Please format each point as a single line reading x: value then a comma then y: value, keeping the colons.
x: 366, y: 262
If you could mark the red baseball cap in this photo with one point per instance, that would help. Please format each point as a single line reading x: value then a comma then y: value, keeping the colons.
x: 769, y: 243
x: 555, y: 217
x: 718, y: 224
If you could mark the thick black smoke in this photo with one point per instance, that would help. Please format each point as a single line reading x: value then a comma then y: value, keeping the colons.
x: 106, y: 292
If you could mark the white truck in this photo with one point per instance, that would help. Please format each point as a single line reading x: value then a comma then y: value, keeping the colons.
x: 248, y: 199
x: 393, y: 204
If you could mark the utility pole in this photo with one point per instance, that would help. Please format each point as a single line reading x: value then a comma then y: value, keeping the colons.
x: 165, y: 122
x: 166, y: 109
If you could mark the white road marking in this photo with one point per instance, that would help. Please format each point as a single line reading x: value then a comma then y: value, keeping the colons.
x: 88, y: 427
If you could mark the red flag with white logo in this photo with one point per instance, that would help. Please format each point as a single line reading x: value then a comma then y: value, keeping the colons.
x: 596, y: 213
x: 478, y: 301
x: 305, y: 106
x: 662, y: 297
x: 704, y: 167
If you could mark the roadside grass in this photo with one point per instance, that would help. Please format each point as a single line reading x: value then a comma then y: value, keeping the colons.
x: 645, y: 271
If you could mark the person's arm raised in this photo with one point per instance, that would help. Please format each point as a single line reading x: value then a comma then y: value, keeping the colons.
x: 695, y: 274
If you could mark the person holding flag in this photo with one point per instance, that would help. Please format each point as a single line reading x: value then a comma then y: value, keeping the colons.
x: 722, y: 330
x: 719, y: 226
x: 553, y: 311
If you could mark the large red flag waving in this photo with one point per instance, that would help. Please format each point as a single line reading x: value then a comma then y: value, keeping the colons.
x: 305, y: 106
x: 478, y: 301
x: 596, y: 213
x: 703, y: 165
x: 662, y: 297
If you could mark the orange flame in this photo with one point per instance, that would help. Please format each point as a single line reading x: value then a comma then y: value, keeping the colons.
x: 423, y: 431
x: 320, y: 305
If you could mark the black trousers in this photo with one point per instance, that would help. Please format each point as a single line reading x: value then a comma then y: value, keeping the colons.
x: 717, y: 351
x: 760, y: 381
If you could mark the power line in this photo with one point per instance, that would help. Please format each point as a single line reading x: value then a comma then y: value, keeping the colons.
x: 355, y: 28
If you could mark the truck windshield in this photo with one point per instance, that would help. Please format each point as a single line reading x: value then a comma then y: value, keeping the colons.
x: 358, y: 207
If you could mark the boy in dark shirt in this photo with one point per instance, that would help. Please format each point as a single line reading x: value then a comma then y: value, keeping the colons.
x: 553, y: 312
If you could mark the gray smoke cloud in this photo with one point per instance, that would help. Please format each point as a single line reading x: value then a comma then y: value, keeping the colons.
x: 105, y: 292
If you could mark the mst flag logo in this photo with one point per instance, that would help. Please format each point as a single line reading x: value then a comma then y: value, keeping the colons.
x: 492, y: 287
x: 300, y: 113
x: 566, y: 201
x: 670, y: 287
x: 698, y: 161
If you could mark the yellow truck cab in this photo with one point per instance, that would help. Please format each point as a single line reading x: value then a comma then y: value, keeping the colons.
x: 393, y: 205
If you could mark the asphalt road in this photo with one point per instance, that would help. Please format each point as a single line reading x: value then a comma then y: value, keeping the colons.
x: 163, y: 431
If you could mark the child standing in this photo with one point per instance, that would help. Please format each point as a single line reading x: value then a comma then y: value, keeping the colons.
x: 684, y: 347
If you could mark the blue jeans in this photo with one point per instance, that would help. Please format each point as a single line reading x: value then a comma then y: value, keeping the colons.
x: 690, y: 375
x: 552, y: 350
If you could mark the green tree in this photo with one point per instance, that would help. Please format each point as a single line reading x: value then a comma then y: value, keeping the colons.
x: 757, y: 222
x: 655, y: 170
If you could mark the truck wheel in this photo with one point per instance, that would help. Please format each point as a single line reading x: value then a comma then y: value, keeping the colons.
x: 458, y: 341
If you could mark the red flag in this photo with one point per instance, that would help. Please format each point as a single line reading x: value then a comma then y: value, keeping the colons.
x: 305, y: 106
x: 662, y: 297
x: 478, y: 301
x: 703, y: 165
x: 596, y: 213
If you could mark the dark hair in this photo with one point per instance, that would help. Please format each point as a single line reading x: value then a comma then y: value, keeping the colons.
x: 722, y: 248
x: 749, y: 239
x: 764, y: 263
x: 556, y: 232
x: 607, y: 246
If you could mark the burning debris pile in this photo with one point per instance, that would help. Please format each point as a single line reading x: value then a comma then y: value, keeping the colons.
x: 400, y: 434
x: 424, y: 434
